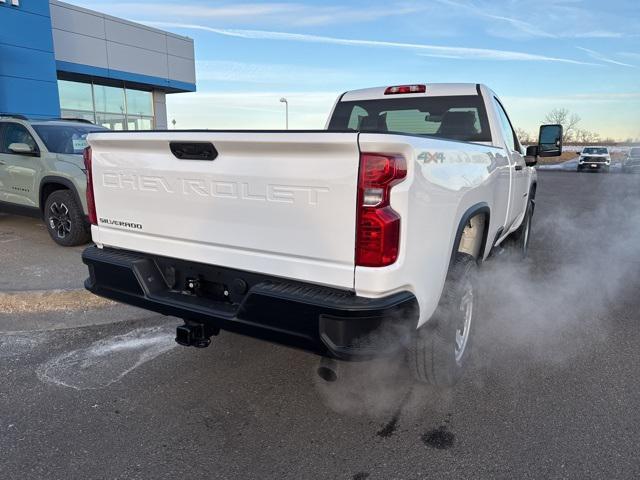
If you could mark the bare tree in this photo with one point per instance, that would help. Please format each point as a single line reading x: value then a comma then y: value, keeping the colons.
x: 587, y: 136
x: 565, y: 118
x: 525, y: 137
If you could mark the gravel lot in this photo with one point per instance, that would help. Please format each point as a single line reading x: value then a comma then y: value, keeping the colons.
x: 553, y: 392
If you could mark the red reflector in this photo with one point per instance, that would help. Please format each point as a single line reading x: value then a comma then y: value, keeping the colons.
x: 399, y: 89
x: 378, y: 225
x: 91, y: 203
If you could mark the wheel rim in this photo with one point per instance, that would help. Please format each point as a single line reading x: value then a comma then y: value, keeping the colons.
x: 463, y: 331
x: 59, y: 219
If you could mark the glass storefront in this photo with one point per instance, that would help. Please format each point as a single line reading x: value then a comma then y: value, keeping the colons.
x: 116, y: 108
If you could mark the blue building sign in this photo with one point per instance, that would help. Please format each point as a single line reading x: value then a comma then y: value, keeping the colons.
x: 28, y: 78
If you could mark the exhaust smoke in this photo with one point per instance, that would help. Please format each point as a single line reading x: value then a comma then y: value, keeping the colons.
x: 583, y: 267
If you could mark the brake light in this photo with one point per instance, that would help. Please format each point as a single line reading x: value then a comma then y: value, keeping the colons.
x: 399, y: 89
x: 91, y: 202
x: 378, y: 225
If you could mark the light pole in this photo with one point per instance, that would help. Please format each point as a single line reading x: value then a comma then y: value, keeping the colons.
x: 286, y: 111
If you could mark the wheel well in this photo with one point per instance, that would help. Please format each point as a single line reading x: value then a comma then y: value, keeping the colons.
x: 474, y: 235
x: 47, y: 189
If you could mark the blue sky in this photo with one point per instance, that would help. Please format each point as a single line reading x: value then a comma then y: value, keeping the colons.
x: 537, y: 55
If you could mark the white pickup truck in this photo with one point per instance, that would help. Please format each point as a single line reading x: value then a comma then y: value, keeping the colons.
x: 352, y: 242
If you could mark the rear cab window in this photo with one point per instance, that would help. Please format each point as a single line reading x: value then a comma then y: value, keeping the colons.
x: 462, y: 118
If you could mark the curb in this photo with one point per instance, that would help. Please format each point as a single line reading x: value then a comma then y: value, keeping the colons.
x: 27, y: 311
x: 46, y: 301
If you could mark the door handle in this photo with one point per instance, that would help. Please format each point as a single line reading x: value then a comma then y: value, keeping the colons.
x: 519, y: 167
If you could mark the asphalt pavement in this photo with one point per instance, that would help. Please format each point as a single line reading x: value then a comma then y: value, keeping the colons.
x: 553, y: 392
x: 31, y: 261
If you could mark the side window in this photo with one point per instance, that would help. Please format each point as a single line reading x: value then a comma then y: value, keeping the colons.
x: 357, y: 115
x: 16, y: 133
x: 507, y: 130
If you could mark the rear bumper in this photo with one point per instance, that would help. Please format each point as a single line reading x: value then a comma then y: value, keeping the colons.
x: 326, y: 321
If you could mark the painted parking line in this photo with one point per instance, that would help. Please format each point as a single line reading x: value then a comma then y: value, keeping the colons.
x: 50, y: 301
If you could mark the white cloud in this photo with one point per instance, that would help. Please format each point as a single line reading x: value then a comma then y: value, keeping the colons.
x: 632, y: 55
x: 603, y: 58
x: 542, y: 19
x: 258, y: 73
x: 469, y: 53
x: 292, y: 14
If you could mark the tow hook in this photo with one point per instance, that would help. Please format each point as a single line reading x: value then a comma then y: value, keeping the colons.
x: 193, y: 334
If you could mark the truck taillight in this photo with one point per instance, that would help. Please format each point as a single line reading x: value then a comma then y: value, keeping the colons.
x: 378, y: 225
x: 91, y: 202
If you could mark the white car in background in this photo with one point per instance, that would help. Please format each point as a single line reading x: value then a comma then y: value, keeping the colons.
x: 594, y: 158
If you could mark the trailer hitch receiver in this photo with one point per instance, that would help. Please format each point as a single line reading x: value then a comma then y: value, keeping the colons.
x: 193, y: 334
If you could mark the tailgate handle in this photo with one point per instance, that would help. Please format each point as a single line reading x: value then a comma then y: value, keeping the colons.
x: 193, y: 150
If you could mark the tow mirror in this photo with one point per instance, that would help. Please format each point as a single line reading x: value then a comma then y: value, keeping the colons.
x: 21, y: 149
x: 550, y: 141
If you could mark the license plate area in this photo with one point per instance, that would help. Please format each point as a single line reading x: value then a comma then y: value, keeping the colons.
x: 206, y: 287
x: 206, y: 282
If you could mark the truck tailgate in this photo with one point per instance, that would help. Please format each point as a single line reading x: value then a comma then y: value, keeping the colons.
x: 279, y: 203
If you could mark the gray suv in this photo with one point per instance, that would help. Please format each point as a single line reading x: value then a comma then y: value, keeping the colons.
x: 42, y: 173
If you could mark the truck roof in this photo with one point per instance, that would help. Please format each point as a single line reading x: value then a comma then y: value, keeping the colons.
x: 433, y: 90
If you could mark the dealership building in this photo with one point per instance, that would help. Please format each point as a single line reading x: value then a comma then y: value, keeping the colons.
x: 59, y: 60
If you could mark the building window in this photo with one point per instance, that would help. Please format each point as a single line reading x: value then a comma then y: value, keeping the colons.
x: 109, y: 99
x: 75, y: 96
x: 116, y: 108
x: 139, y: 103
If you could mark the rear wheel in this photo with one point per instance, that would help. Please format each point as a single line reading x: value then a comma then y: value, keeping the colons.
x: 440, y: 349
x: 65, y: 219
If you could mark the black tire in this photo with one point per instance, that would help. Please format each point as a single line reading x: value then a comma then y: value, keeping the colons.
x: 434, y: 354
x: 65, y: 219
x: 517, y: 244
